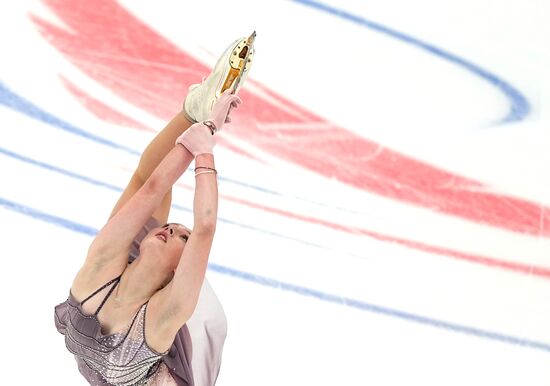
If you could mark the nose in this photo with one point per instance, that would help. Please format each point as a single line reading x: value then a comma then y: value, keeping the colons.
x: 171, y: 230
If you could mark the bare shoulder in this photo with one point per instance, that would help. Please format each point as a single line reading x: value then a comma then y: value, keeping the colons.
x: 93, y: 274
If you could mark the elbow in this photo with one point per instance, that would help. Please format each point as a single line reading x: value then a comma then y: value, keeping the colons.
x: 205, y: 219
x: 206, y: 227
x: 151, y: 185
x: 153, y: 189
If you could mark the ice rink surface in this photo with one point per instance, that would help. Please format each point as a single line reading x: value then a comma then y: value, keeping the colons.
x: 384, y: 190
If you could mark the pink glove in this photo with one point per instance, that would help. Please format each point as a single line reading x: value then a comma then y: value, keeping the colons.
x: 222, y: 108
x: 198, y: 139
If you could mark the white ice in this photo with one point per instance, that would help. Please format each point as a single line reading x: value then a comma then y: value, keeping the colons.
x: 379, y: 87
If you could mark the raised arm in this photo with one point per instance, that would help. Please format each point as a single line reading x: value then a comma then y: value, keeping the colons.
x: 176, y: 302
x: 112, y: 243
x: 159, y: 147
x: 114, y: 239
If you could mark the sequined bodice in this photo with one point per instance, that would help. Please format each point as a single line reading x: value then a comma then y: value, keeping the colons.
x: 122, y: 359
x: 193, y: 359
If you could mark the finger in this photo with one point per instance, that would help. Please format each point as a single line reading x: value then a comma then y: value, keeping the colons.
x: 227, y: 119
x: 227, y: 99
x: 234, y: 98
x: 236, y: 102
x: 229, y: 91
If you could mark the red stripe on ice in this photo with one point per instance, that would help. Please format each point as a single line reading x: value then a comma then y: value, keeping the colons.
x: 477, y: 259
x: 124, y: 54
x: 100, y: 109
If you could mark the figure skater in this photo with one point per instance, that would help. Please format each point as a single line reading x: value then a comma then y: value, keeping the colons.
x: 140, y: 311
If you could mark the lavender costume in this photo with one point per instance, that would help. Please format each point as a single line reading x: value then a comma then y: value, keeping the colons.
x: 125, y: 359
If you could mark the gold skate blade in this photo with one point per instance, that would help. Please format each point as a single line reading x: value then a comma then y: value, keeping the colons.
x: 241, y: 56
x: 230, y: 80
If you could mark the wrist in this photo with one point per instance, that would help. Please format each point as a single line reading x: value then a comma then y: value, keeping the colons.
x: 211, y: 126
x: 205, y: 160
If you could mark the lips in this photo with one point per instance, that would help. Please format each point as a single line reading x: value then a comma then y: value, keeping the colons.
x: 162, y: 235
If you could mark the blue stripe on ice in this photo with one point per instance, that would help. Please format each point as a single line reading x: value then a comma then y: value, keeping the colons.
x: 55, y: 220
x: 10, y: 99
x: 379, y: 309
x: 519, y: 106
x: 58, y: 169
x: 304, y: 291
x: 95, y: 182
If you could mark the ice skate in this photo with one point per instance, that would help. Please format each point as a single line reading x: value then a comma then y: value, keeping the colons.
x: 229, y: 72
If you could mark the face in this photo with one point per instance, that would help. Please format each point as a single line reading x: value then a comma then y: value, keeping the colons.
x: 165, y: 244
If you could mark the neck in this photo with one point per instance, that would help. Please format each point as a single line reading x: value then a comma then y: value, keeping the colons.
x: 138, y: 283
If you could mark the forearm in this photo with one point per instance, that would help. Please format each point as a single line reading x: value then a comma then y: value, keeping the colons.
x: 172, y: 166
x: 205, y: 203
x: 199, y: 140
x: 117, y: 235
x: 161, y: 145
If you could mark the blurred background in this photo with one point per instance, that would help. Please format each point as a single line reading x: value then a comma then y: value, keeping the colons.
x: 385, y: 192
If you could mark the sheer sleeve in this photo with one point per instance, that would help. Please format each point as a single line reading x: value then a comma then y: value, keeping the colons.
x: 60, y: 315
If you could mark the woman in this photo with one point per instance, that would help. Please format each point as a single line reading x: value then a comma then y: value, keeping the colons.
x: 139, y: 321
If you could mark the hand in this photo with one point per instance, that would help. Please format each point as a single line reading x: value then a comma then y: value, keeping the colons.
x: 198, y: 139
x: 222, y: 108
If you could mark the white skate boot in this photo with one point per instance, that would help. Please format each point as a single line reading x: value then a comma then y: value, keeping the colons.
x: 229, y: 72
